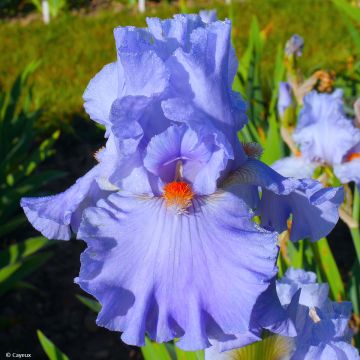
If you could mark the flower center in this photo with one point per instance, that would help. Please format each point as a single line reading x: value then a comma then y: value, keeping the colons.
x: 353, y: 156
x: 178, y: 194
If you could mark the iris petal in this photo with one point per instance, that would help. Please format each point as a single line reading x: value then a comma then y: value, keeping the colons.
x: 296, y: 167
x: 166, y: 265
x: 348, y: 171
x: 55, y: 216
x: 201, y: 156
x: 323, y: 132
x: 314, y: 209
x: 100, y: 94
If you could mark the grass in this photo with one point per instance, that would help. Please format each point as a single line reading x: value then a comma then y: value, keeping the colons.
x: 73, y: 48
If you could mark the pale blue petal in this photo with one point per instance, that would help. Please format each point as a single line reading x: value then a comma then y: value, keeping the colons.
x: 294, y: 166
x: 208, y: 16
x: 168, y: 274
x: 100, y: 94
x: 324, y: 134
x: 312, y: 294
x: 55, y: 216
x: 314, y: 209
x: 201, y: 157
x: 348, y: 171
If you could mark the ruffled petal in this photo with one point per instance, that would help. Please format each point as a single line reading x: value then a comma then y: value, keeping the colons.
x: 174, y: 33
x: 100, y: 94
x: 312, y: 294
x: 145, y: 73
x: 208, y: 16
x: 348, y: 171
x: 314, y: 208
x: 331, y: 351
x: 167, y: 274
x: 208, y: 67
x: 322, y: 326
x: 296, y: 167
x: 55, y: 216
x: 267, y: 314
x: 349, y: 351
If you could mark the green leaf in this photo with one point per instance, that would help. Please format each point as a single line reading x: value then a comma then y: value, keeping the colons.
x: 355, y: 231
x: 189, y: 355
x: 10, y: 275
x: 23, y: 249
x: 52, y: 352
x: 329, y: 269
x: 349, y: 14
x: 155, y: 351
x: 44, y: 151
x: 296, y: 253
x: 90, y: 303
x: 354, y: 294
x: 354, y: 290
x: 248, y: 80
x: 352, y: 11
x: 273, y: 148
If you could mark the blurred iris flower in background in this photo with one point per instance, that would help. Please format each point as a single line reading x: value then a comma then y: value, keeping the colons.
x: 325, y: 137
x: 167, y: 213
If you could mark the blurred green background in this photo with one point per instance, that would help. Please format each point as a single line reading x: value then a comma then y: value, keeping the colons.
x: 75, y: 45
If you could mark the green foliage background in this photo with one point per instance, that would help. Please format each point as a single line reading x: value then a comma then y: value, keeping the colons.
x: 74, y: 47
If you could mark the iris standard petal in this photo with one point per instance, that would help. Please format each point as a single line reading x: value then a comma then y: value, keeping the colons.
x: 294, y: 166
x: 145, y: 73
x: 174, y: 33
x: 202, y: 157
x: 168, y: 274
x: 208, y: 67
x: 100, y: 94
x: 55, y: 216
x: 208, y: 16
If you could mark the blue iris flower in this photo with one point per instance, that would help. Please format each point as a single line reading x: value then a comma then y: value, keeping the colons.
x: 167, y: 213
x: 326, y: 137
x: 322, y: 326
